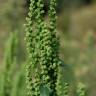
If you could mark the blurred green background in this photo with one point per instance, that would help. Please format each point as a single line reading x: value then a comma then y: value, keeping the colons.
x: 76, y: 27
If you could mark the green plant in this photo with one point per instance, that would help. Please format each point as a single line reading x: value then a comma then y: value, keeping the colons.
x: 81, y: 90
x: 42, y: 46
x: 18, y: 88
x: 62, y: 89
x: 30, y: 47
x: 9, y: 65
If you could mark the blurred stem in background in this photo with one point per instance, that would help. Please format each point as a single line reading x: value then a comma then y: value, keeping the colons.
x: 18, y: 88
x: 10, y: 61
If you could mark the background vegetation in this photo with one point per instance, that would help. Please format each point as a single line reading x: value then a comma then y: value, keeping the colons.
x: 77, y: 32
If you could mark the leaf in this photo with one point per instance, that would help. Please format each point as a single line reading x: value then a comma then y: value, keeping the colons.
x: 45, y: 91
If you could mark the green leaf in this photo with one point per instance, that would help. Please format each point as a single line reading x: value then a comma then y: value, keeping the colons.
x: 45, y: 91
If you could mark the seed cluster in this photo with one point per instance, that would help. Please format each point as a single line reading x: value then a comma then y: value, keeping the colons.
x: 42, y: 45
x: 81, y: 90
